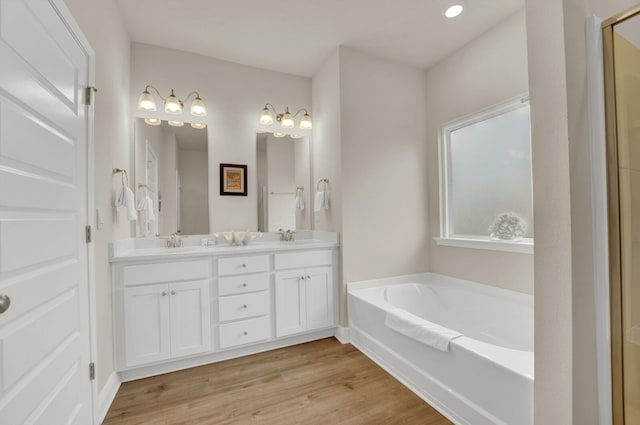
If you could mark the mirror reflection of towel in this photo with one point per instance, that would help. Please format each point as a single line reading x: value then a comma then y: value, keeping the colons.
x: 126, y: 199
x: 145, y: 206
x: 321, y: 202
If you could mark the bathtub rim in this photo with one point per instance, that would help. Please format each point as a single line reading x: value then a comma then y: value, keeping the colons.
x: 522, y: 366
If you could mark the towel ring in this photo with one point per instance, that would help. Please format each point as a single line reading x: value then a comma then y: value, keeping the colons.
x: 123, y: 174
x: 299, y: 191
x: 322, y: 181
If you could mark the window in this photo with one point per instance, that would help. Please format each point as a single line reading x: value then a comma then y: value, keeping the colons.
x: 486, y: 171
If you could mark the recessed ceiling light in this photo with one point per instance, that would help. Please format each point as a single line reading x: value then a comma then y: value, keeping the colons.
x: 453, y: 10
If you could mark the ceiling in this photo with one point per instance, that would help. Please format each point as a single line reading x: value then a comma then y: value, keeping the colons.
x: 297, y: 36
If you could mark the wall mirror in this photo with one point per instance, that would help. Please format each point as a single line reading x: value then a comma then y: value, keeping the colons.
x: 171, y: 168
x: 284, y: 182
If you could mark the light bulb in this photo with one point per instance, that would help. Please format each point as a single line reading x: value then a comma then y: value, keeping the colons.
x: 198, y: 125
x: 287, y: 120
x: 175, y: 123
x: 146, y: 102
x: 295, y: 136
x: 197, y: 108
x: 278, y: 135
x: 265, y: 117
x: 172, y: 105
x: 453, y: 10
x: 153, y: 121
x: 305, y: 122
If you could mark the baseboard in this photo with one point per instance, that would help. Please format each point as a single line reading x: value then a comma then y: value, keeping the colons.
x: 342, y: 334
x: 107, y: 395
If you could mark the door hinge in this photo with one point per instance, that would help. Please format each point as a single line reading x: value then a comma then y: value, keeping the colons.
x: 92, y: 371
x: 90, y: 95
x: 88, y: 233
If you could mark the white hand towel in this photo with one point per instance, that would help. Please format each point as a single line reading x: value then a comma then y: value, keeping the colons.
x: 126, y: 199
x: 321, y: 201
x: 299, y: 203
x: 145, y: 205
x: 421, y: 330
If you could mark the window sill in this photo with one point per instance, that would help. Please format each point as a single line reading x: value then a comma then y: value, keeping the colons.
x: 524, y: 246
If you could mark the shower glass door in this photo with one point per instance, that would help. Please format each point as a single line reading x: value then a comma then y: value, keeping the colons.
x: 622, y: 53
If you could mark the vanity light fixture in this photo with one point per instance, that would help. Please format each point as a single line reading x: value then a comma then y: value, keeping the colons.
x: 278, y: 135
x: 453, y: 9
x: 286, y: 119
x: 172, y: 104
x: 175, y: 123
x: 153, y: 121
x: 295, y: 136
x: 198, y: 125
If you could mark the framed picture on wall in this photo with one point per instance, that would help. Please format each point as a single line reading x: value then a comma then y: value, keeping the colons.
x: 233, y: 179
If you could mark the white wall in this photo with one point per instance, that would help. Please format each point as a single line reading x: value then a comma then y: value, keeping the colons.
x: 566, y: 383
x: 489, y: 70
x: 384, y: 167
x: 234, y: 95
x: 101, y: 22
x: 326, y: 142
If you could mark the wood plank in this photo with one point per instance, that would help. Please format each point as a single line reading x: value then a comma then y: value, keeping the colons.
x: 320, y: 382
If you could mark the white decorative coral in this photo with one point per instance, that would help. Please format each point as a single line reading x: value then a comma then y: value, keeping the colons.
x: 508, y: 226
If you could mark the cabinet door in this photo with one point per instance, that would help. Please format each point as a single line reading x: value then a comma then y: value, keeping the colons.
x: 146, y: 310
x: 290, y: 303
x: 190, y: 318
x: 319, y: 297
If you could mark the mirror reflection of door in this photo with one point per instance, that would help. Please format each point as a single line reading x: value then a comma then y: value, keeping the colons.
x: 179, y: 186
x: 151, y: 226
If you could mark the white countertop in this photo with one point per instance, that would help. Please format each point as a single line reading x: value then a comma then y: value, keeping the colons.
x: 152, y: 248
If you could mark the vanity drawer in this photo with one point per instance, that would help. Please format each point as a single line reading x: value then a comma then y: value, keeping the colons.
x: 165, y: 272
x: 241, y: 284
x: 302, y: 259
x: 236, y: 307
x: 240, y: 265
x: 244, y: 332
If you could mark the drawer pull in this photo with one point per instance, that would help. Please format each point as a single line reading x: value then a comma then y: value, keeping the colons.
x: 244, y: 285
x: 244, y: 265
x: 244, y: 306
x: 164, y: 294
x: 245, y: 333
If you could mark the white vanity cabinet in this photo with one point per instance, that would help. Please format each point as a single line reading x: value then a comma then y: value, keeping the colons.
x: 166, y: 321
x: 244, y: 301
x: 304, y: 296
x: 178, y: 309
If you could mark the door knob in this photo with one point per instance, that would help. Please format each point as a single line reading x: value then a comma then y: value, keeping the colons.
x: 5, y: 302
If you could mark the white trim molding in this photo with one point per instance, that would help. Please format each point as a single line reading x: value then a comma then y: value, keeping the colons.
x: 524, y: 246
x: 107, y: 395
x: 342, y: 334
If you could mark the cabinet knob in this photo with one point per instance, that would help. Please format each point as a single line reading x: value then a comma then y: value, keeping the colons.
x: 244, y: 285
x: 302, y: 277
x: 244, y: 306
x: 245, y: 333
x: 308, y: 277
x: 164, y: 294
x: 244, y: 265
x: 173, y: 292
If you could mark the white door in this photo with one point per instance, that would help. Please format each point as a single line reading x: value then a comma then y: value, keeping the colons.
x: 44, y: 335
x: 190, y: 318
x: 147, y: 332
x: 290, y: 303
x: 319, y: 297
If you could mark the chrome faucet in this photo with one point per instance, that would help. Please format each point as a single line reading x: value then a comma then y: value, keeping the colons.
x: 286, y: 236
x: 172, y: 241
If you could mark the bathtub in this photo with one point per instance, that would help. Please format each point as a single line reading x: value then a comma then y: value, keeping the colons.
x: 486, y: 377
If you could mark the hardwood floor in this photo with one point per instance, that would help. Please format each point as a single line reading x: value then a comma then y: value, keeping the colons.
x: 320, y: 382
